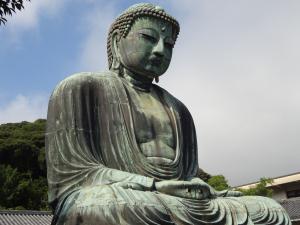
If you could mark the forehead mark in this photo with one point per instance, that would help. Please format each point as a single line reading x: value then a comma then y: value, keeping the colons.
x: 163, y: 28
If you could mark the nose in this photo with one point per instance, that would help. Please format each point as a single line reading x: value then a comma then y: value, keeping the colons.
x: 158, y: 49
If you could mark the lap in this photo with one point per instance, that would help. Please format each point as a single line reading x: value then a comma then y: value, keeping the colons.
x: 111, y: 205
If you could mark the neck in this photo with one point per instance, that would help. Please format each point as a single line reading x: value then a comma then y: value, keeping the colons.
x: 138, y: 82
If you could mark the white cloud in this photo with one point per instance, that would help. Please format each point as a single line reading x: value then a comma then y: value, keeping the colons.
x: 24, y: 108
x: 96, y: 24
x: 29, y: 17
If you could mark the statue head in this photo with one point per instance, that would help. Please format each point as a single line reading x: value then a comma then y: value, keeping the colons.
x: 141, y: 41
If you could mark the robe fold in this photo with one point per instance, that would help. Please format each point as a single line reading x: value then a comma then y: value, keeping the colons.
x: 91, y: 153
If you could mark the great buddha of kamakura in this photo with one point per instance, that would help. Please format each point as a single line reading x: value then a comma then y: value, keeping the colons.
x: 122, y: 150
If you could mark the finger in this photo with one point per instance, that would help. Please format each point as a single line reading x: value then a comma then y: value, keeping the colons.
x: 183, y: 193
x: 164, y: 185
x: 197, y: 185
x: 199, y: 195
x: 193, y: 194
x: 234, y: 194
x: 129, y: 185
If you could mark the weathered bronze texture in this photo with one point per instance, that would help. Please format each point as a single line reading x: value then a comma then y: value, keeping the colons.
x: 122, y: 150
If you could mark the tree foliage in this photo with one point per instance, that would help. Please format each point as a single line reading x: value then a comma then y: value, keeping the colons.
x: 23, y: 183
x: 260, y: 188
x: 218, y: 182
x: 8, y: 7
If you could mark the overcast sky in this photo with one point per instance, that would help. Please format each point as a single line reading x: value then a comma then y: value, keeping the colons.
x: 236, y: 66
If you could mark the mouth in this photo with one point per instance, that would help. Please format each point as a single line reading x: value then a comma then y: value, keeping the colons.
x: 156, y: 61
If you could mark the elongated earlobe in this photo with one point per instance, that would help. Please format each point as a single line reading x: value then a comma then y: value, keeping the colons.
x: 116, y: 62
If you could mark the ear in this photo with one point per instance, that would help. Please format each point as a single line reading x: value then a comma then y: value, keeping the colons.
x: 115, y: 45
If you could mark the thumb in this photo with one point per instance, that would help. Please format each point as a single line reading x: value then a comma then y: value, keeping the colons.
x: 129, y: 185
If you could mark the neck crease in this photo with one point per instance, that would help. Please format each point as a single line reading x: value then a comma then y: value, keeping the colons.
x: 138, y: 82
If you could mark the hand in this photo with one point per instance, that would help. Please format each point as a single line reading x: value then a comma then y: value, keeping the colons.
x: 130, y: 185
x: 193, y: 189
x: 214, y: 193
x: 228, y: 193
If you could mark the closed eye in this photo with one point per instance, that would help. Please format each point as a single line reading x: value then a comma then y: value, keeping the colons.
x: 149, y: 37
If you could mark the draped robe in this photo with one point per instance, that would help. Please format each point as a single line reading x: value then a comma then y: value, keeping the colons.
x: 91, y: 150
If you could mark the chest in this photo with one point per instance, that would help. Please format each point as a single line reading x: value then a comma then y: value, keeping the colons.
x: 152, y: 119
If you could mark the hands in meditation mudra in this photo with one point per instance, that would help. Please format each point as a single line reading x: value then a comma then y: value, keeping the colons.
x: 122, y: 150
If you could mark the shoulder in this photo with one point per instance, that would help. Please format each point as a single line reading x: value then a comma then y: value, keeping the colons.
x: 81, y: 80
x: 87, y: 77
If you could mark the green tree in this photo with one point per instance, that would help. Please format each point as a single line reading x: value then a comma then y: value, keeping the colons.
x: 8, y: 7
x: 260, y: 189
x: 20, y: 191
x: 218, y: 182
x: 23, y: 183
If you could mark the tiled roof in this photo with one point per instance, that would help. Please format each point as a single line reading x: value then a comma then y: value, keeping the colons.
x: 292, y: 206
x: 24, y: 217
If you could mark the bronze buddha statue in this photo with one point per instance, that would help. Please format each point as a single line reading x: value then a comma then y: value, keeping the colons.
x: 122, y: 150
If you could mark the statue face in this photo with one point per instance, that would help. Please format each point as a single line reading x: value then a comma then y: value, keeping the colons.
x: 147, y: 49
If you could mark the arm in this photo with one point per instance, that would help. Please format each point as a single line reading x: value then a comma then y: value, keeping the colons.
x: 81, y: 149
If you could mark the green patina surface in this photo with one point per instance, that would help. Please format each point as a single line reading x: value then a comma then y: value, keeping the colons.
x: 122, y: 150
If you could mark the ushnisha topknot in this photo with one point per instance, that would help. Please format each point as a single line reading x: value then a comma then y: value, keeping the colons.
x: 125, y: 20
